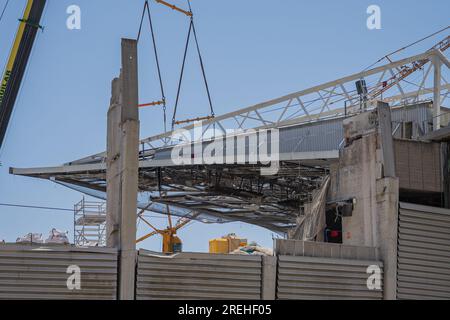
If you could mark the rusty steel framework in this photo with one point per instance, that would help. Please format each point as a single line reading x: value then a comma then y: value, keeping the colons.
x: 238, y: 192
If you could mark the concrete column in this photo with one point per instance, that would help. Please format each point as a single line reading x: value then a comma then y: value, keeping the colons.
x: 129, y: 76
x: 437, y: 93
x: 387, y: 195
x: 122, y: 168
x: 387, y: 208
x: 113, y: 206
x: 366, y: 172
x: 387, y: 142
x: 269, y: 278
x: 129, y: 168
x: 129, y: 188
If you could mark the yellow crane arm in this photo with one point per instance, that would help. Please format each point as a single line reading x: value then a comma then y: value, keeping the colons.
x: 151, y: 234
x: 17, y: 61
x: 14, y: 50
x: 149, y: 224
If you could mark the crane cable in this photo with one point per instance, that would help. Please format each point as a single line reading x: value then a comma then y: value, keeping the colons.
x: 201, y: 60
x: 4, y: 9
x: 192, y: 30
x: 163, y: 97
x: 406, y: 47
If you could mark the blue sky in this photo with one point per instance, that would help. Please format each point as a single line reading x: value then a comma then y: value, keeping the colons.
x: 254, y: 50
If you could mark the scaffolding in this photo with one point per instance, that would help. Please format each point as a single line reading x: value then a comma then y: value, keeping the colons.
x: 89, y: 224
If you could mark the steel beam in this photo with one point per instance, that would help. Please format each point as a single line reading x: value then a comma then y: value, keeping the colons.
x: 437, y: 63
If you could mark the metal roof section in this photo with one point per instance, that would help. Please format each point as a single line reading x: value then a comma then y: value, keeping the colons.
x: 309, y: 124
x: 242, y: 194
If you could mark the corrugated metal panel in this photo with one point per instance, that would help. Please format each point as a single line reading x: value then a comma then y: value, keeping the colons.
x: 326, y: 135
x: 32, y: 272
x: 323, y: 135
x: 297, y: 248
x: 301, y: 278
x: 421, y: 114
x: 198, y: 276
x: 423, y: 252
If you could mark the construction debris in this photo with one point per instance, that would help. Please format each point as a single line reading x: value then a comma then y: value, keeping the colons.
x: 254, y: 250
x: 313, y: 221
x: 309, y: 145
x: 30, y: 238
x: 57, y: 237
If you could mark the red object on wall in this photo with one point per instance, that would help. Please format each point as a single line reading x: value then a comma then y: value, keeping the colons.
x: 334, y: 234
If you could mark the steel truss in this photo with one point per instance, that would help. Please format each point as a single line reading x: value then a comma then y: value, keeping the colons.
x: 238, y: 192
x: 329, y: 100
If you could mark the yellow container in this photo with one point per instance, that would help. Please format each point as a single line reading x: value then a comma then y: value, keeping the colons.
x: 219, y: 246
x: 226, y: 244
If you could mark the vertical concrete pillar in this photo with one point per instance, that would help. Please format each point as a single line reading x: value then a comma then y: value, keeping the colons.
x: 437, y: 93
x: 387, y: 142
x: 113, y: 201
x: 129, y: 168
x: 367, y: 173
x: 269, y: 278
x: 387, y: 208
x: 387, y: 197
x: 122, y: 168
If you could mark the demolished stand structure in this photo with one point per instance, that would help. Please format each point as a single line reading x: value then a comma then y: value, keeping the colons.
x: 365, y: 173
x: 122, y: 168
x: 310, y: 134
x: 386, y: 165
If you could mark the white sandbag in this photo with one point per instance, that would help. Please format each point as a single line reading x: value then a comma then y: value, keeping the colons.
x: 30, y: 238
x: 92, y: 244
x: 57, y: 237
